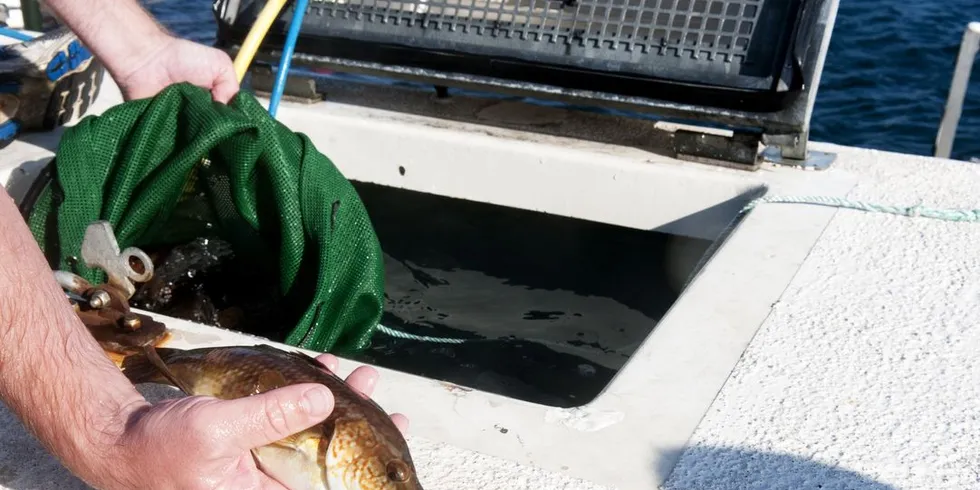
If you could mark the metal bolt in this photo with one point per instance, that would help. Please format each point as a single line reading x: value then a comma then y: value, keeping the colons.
x: 132, y: 322
x: 99, y: 299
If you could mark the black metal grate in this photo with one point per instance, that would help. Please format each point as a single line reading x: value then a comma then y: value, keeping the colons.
x: 713, y: 29
x: 725, y: 53
x: 735, y: 43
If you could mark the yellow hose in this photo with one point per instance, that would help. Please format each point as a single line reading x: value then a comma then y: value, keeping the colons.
x: 255, y: 36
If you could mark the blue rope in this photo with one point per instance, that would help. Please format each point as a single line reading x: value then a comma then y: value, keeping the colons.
x: 961, y: 215
x: 287, y: 56
x: 15, y: 34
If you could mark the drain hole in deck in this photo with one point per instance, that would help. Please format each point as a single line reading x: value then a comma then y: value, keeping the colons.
x: 558, y: 305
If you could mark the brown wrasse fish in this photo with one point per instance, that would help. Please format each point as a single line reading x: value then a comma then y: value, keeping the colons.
x: 357, y: 447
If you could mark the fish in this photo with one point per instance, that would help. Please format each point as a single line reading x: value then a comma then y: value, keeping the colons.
x: 358, y: 447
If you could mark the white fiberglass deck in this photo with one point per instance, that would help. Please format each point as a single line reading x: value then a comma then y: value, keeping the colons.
x: 861, y: 369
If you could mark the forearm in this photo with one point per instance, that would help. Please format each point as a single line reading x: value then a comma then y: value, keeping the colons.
x: 119, y: 32
x: 53, y: 374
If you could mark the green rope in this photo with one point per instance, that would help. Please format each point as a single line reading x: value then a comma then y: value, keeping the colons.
x: 402, y: 335
x: 969, y: 215
x: 961, y: 215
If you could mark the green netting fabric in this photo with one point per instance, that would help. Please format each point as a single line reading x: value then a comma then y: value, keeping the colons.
x: 263, y: 188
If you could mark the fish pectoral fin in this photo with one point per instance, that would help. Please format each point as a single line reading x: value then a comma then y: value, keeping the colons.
x: 291, y: 443
x: 286, y: 444
x: 290, y: 466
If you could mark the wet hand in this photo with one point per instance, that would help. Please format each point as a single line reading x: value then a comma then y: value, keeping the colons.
x: 178, y: 60
x: 204, y: 443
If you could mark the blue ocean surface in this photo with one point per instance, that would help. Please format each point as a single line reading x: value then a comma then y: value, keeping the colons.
x: 884, y: 85
x: 888, y: 73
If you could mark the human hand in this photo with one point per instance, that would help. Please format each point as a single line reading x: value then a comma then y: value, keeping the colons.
x: 204, y: 443
x: 178, y: 60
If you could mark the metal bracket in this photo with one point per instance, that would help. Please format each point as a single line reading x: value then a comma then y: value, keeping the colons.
x: 103, y: 309
x: 738, y: 151
x: 791, y: 150
x: 100, y: 249
x: 298, y: 88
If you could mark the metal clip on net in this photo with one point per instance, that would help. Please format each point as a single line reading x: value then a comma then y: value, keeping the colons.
x: 104, y: 308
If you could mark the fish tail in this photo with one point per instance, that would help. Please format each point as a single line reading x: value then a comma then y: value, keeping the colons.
x: 142, y: 368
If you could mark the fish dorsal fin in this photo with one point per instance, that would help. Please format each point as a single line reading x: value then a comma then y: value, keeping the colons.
x: 300, y: 356
x: 283, y: 352
x: 313, y: 362
x: 154, y: 358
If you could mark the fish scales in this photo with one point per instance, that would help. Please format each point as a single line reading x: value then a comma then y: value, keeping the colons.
x: 358, y: 447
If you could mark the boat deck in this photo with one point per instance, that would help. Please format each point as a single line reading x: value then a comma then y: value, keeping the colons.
x: 820, y: 348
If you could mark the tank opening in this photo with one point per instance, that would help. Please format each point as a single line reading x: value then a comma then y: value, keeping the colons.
x: 552, y: 307
x: 556, y: 306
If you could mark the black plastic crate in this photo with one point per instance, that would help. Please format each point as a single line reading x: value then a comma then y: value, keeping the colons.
x: 726, y: 53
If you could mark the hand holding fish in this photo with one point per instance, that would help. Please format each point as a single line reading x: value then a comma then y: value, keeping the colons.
x: 247, y: 423
x: 202, y: 442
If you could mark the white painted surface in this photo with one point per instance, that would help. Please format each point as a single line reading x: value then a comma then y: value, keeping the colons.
x: 15, y: 19
x: 866, y: 365
x: 866, y: 375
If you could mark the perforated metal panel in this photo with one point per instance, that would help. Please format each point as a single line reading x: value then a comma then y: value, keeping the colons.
x: 742, y: 55
x: 736, y: 43
x: 696, y: 28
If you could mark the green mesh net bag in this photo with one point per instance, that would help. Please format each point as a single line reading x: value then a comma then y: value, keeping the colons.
x: 179, y: 166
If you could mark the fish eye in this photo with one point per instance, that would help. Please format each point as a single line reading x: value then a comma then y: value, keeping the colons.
x: 398, y: 471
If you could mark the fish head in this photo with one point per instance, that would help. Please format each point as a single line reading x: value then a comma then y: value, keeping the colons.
x: 362, y: 457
